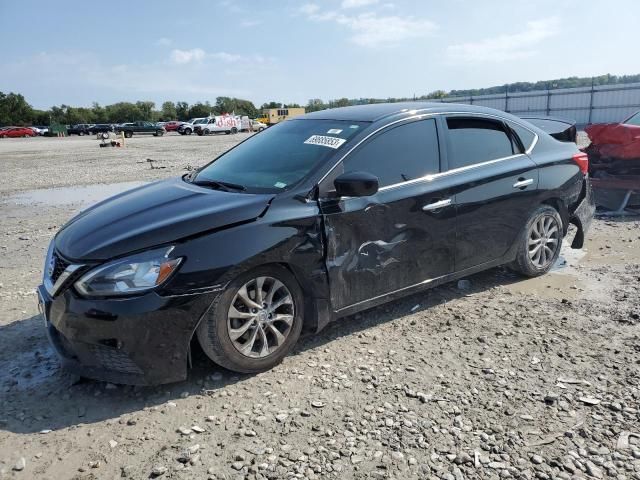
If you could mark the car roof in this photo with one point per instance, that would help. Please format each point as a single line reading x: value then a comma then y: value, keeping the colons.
x: 377, y: 111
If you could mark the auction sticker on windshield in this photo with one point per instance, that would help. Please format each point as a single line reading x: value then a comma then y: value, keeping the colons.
x: 324, y: 141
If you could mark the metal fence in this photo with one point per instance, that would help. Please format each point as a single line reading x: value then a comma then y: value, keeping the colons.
x: 584, y: 105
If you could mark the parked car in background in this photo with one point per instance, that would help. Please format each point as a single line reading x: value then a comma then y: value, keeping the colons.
x: 172, y: 126
x: 312, y: 220
x: 257, y: 126
x: 79, y: 129
x: 16, y: 132
x: 187, y: 128
x: 40, y: 129
x: 140, y: 127
x: 100, y: 128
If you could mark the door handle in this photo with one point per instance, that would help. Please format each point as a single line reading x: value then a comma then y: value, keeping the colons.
x: 523, y: 183
x: 436, y: 205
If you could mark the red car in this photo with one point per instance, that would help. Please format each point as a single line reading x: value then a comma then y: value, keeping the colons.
x: 172, y: 126
x: 15, y: 132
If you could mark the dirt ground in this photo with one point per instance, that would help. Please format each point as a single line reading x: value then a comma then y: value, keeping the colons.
x: 499, y: 377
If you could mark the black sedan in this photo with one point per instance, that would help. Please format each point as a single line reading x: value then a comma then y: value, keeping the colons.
x: 311, y: 220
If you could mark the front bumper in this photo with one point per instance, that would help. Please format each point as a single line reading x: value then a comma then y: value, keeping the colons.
x: 583, y: 214
x: 142, y: 340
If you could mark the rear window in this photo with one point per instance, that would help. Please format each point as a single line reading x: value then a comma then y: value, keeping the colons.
x: 477, y: 140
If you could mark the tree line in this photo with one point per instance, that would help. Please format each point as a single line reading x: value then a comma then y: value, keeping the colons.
x: 15, y: 110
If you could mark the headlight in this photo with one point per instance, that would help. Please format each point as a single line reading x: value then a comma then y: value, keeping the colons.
x: 128, y: 275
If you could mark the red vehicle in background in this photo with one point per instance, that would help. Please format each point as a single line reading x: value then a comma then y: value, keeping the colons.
x: 172, y: 126
x: 15, y: 132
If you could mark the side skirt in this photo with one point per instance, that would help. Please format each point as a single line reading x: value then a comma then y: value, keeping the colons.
x: 424, y: 285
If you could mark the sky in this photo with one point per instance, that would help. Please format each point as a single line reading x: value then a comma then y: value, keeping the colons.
x: 76, y: 53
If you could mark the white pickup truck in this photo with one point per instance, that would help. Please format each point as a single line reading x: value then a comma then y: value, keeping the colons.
x: 187, y: 128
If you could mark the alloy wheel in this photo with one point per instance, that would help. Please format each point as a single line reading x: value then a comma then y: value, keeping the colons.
x: 543, y: 242
x: 260, y: 317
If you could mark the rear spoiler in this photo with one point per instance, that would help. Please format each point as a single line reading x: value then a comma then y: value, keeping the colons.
x: 563, y: 130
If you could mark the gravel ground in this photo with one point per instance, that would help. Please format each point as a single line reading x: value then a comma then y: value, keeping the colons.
x: 494, y: 377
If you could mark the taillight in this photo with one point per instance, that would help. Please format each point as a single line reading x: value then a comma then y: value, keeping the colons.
x: 582, y: 160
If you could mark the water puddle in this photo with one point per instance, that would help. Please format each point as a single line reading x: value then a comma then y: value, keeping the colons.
x: 563, y: 281
x: 82, y: 196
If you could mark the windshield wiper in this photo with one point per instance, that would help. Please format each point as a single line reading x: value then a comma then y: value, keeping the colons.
x: 220, y: 185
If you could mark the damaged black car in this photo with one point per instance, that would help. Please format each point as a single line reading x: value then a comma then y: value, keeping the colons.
x: 307, y: 222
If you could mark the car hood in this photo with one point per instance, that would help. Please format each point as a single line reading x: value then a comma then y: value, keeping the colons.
x: 151, y: 215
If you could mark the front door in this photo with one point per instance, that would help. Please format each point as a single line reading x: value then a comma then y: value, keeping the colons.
x: 399, y: 237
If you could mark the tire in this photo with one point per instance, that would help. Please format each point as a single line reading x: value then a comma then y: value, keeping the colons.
x: 214, y: 330
x: 200, y: 133
x: 128, y: 134
x: 188, y: 131
x: 260, y: 129
x: 539, y: 242
x: 234, y: 130
x: 206, y: 132
x: 159, y: 133
x: 81, y: 133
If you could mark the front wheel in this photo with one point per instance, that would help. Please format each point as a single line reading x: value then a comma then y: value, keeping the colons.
x: 539, y: 243
x: 128, y: 134
x: 159, y: 133
x: 255, y: 322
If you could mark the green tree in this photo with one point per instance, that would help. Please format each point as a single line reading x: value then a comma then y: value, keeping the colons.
x: 182, y: 111
x: 200, y: 110
x: 168, y: 111
x: 146, y: 110
x: 315, y: 104
x: 14, y: 109
x: 271, y: 105
x: 123, y: 112
x: 99, y: 113
x: 435, y: 94
x: 235, y: 105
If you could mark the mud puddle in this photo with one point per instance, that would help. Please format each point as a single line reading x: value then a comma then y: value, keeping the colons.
x: 562, y: 282
x: 82, y: 196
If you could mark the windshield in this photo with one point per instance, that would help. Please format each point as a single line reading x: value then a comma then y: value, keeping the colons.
x: 280, y: 156
x: 633, y: 120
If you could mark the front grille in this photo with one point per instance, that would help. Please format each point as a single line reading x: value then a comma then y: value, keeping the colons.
x: 113, y: 359
x: 59, y: 266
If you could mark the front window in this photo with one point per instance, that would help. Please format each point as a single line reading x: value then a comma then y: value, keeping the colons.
x: 633, y: 120
x: 280, y: 156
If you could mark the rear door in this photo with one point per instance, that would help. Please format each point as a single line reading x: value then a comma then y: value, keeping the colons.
x: 495, y: 185
x: 399, y: 237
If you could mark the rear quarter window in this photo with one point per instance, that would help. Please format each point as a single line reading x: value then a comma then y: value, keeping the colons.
x: 525, y: 135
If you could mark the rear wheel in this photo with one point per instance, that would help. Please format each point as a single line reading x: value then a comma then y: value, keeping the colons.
x: 540, y: 242
x: 255, y: 322
x: 128, y: 134
x: 159, y: 133
x: 234, y: 130
x: 188, y: 131
x: 81, y: 133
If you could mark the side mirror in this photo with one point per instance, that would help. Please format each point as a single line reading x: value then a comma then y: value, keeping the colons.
x: 356, y: 184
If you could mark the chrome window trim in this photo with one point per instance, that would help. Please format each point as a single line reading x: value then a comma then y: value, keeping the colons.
x: 435, y: 176
x: 448, y: 172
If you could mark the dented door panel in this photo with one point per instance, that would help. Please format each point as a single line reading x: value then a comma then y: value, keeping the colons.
x: 386, y: 242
